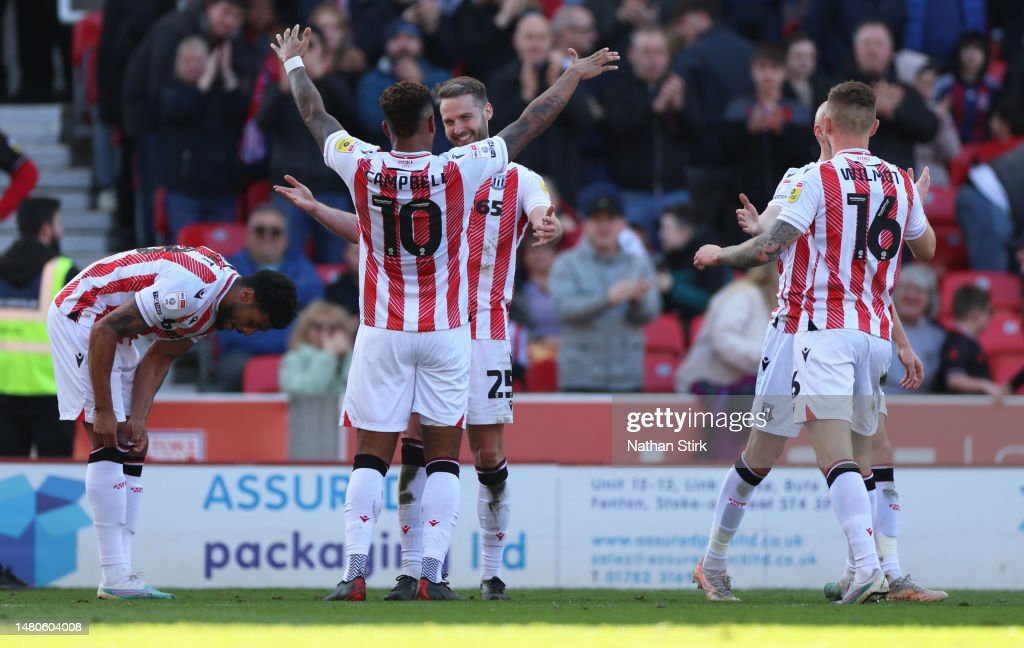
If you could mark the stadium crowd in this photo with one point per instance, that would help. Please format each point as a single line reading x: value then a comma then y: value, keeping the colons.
x: 715, y: 98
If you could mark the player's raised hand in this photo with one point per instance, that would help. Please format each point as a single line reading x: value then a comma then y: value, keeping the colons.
x: 290, y: 43
x: 706, y: 257
x: 747, y: 217
x: 913, y: 375
x: 923, y: 184
x: 601, y: 61
x: 297, y: 194
x: 546, y: 229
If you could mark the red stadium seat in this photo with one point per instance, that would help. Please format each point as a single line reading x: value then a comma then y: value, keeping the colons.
x: 330, y: 271
x: 1004, y: 288
x: 1003, y: 334
x: 950, y: 250
x: 1006, y: 366
x: 960, y: 166
x: 260, y: 375
x: 665, y: 334
x: 542, y: 375
x: 941, y: 206
x: 226, y: 238
x: 660, y: 371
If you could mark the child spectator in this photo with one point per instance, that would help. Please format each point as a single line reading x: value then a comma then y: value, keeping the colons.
x: 319, y: 352
x: 964, y: 367
x: 973, y: 94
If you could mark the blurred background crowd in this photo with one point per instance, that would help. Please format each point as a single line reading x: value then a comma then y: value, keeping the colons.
x: 191, y: 123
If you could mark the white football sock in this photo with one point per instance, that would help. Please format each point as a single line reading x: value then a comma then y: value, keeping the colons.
x: 133, y: 506
x: 887, y: 528
x: 410, y: 519
x: 363, y: 500
x: 440, y: 513
x: 105, y: 491
x: 852, y: 506
x: 493, y: 506
x: 732, y: 503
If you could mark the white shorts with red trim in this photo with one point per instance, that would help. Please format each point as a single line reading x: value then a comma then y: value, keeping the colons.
x: 69, y: 342
x: 397, y: 373
x: 838, y: 375
x: 490, y: 383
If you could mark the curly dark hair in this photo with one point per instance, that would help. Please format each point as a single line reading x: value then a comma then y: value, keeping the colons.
x: 406, y: 104
x: 274, y: 295
x: 851, y: 106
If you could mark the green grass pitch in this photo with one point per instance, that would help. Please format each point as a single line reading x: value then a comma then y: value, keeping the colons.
x: 295, y: 618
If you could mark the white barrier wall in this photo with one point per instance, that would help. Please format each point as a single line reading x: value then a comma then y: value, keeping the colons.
x: 282, y: 526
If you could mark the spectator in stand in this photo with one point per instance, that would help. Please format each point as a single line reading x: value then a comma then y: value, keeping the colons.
x: 723, y: 360
x: 41, y: 39
x: 650, y: 126
x: 684, y: 291
x: 533, y: 297
x: 521, y: 81
x: 603, y: 296
x: 963, y: 367
x: 319, y: 352
x: 125, y: 23
x: 292, y: 151
x: 202, y: 112
x: 24, y: 175
x: 933, y: 26
x: 149, y: 69
x: 265, y: 247
x: 336, y: 31
x: 990, y: 207
x: 1007, y: 128
x: 436, y: 28
x: 715, y: 68
x: 766, y: 133
x: 803, y: 83
x: 903, y: 117
x: 971, y: 93
x: 344, y: 290
x: 402, y: 61
x: 832, y: 24
x: 916, y: 299
x: 616, y: 19
x: 484, y: 29
x: 759, y: 21
x: 938, y: 153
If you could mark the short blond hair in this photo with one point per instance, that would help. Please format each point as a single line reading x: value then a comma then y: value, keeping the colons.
x: 851, y: 107
x: 320, y: 309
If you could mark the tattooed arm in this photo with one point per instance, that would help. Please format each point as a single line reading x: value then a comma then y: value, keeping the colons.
x: 761, y: 249
x: 543, y: 110
x: 125, y: 321
x: 307, y: 97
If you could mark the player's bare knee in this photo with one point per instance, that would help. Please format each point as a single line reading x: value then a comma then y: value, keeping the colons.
x: 485, y: 441
x: 441, y: 442
x: 881, y: 447
x: 763, y: 450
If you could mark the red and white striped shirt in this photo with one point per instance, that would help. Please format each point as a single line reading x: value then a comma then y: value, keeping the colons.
x: 795, y: 269
x: 497, y: 225
x: 177, y: 289
x: 413, y: 212
x: 862, y: 209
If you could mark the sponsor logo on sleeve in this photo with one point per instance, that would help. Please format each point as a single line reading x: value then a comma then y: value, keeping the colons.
x: 176, y: 300
x: 345, y: 145
x: 156, y: 303
x: 794, y: 193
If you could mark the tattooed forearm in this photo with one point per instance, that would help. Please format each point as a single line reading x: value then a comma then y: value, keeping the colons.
x: 311, y: 107
x: 761, y: 249
x: 540, y: 114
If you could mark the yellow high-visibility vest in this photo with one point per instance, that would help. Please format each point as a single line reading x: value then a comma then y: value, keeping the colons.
x: 26, y: 363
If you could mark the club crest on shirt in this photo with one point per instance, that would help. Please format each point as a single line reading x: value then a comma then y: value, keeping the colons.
x: 794, y: 193
x: 498, y: 182
x: 346, y: 145
x: 175, y: 300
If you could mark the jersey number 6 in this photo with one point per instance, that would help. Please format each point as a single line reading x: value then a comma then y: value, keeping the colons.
x: 404, y: 229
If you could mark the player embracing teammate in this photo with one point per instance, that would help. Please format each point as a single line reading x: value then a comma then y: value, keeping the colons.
x: 848, y: 218
x: 412, y: 354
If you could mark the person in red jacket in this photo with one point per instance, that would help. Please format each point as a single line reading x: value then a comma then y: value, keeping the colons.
x: 23, y: 172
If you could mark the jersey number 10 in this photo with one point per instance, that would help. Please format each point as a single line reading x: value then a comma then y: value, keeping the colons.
x: 871, y: 239
x: 404, y: 230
